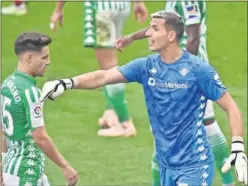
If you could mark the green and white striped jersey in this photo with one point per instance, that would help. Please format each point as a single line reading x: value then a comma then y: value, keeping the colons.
x: 107, y: 5
x: 192, y: 12
x: 21, y: 113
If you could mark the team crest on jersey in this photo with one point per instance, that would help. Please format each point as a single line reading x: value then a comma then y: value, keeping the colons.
x: 37, y: 111
x: 184, y: 71
x: 153, y: 71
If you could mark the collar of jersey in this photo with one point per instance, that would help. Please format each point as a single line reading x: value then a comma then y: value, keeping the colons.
x: 30, y: 78
x: 180, y: 59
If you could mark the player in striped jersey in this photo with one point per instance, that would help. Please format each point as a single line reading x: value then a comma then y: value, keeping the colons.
x: 22, y: 118
x: 103, y: 22
x: 194, y: 41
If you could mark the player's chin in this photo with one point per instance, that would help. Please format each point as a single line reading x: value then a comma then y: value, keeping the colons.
x: 153, y: 49
x: 40, y: 74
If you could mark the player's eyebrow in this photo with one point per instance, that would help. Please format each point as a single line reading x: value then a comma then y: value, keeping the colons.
x: 46, y: 55
x: 153, y: 25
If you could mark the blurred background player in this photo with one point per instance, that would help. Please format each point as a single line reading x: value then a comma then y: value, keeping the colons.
x: 18, y: 7
x: 194, y: 41
x: 22, y: 118
x: 103, y: 23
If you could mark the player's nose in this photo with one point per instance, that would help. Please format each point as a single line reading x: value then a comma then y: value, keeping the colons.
x: 48, y: 62
x: 148, y: 32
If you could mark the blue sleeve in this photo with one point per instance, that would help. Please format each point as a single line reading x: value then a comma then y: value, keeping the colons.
x: 134, y: 70
x: 210, y: 83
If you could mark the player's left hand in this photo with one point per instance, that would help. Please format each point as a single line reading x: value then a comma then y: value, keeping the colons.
x: 53, y: 89
x: 140, y: 12
x: 237, y: 159
x: 123, y: 42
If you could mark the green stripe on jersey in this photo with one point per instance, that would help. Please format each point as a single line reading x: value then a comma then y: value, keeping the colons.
x: 190, y: 12
x: 112, y: 5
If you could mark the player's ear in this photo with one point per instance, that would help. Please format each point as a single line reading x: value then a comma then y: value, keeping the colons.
x: 25, y: 57
x: 29, y: 57
x: 172, y: 35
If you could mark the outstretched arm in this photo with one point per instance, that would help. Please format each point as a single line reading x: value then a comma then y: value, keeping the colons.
x: 125, y: 41
x: 131, y: 72
x: 91, y: 80
x: 98, y: 79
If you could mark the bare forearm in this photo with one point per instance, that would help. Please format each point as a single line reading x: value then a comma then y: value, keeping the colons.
x: 60, y: 5
x: 138, y: 35
x: 235, y: 121
x: 227, y: 103
x: 47, y: 146
x: 90, y: 80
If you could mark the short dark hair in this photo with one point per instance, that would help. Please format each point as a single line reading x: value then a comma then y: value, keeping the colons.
x: 31, y: 41
x: 172, y: 20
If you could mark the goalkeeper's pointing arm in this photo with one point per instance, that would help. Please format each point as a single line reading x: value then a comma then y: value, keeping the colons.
x: 91, y: 80
x: 98, y: 79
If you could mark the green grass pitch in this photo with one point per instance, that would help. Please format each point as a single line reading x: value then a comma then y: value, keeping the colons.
x: 72, y: 119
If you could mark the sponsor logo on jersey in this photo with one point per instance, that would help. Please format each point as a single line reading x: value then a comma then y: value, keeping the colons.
x: 169, y: 85
x: 192, y: 11
x: 37, y: 111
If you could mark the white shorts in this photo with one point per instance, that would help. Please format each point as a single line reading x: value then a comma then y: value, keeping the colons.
x: 11, y: 180
x: 102, y: 28
x: 209, y: 112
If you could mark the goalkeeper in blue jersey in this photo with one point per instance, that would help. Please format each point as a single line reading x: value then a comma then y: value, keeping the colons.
x: 193, y: 40
x: 177, y: 86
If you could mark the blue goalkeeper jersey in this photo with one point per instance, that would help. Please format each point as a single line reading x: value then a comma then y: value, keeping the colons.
x: 176, y: 96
